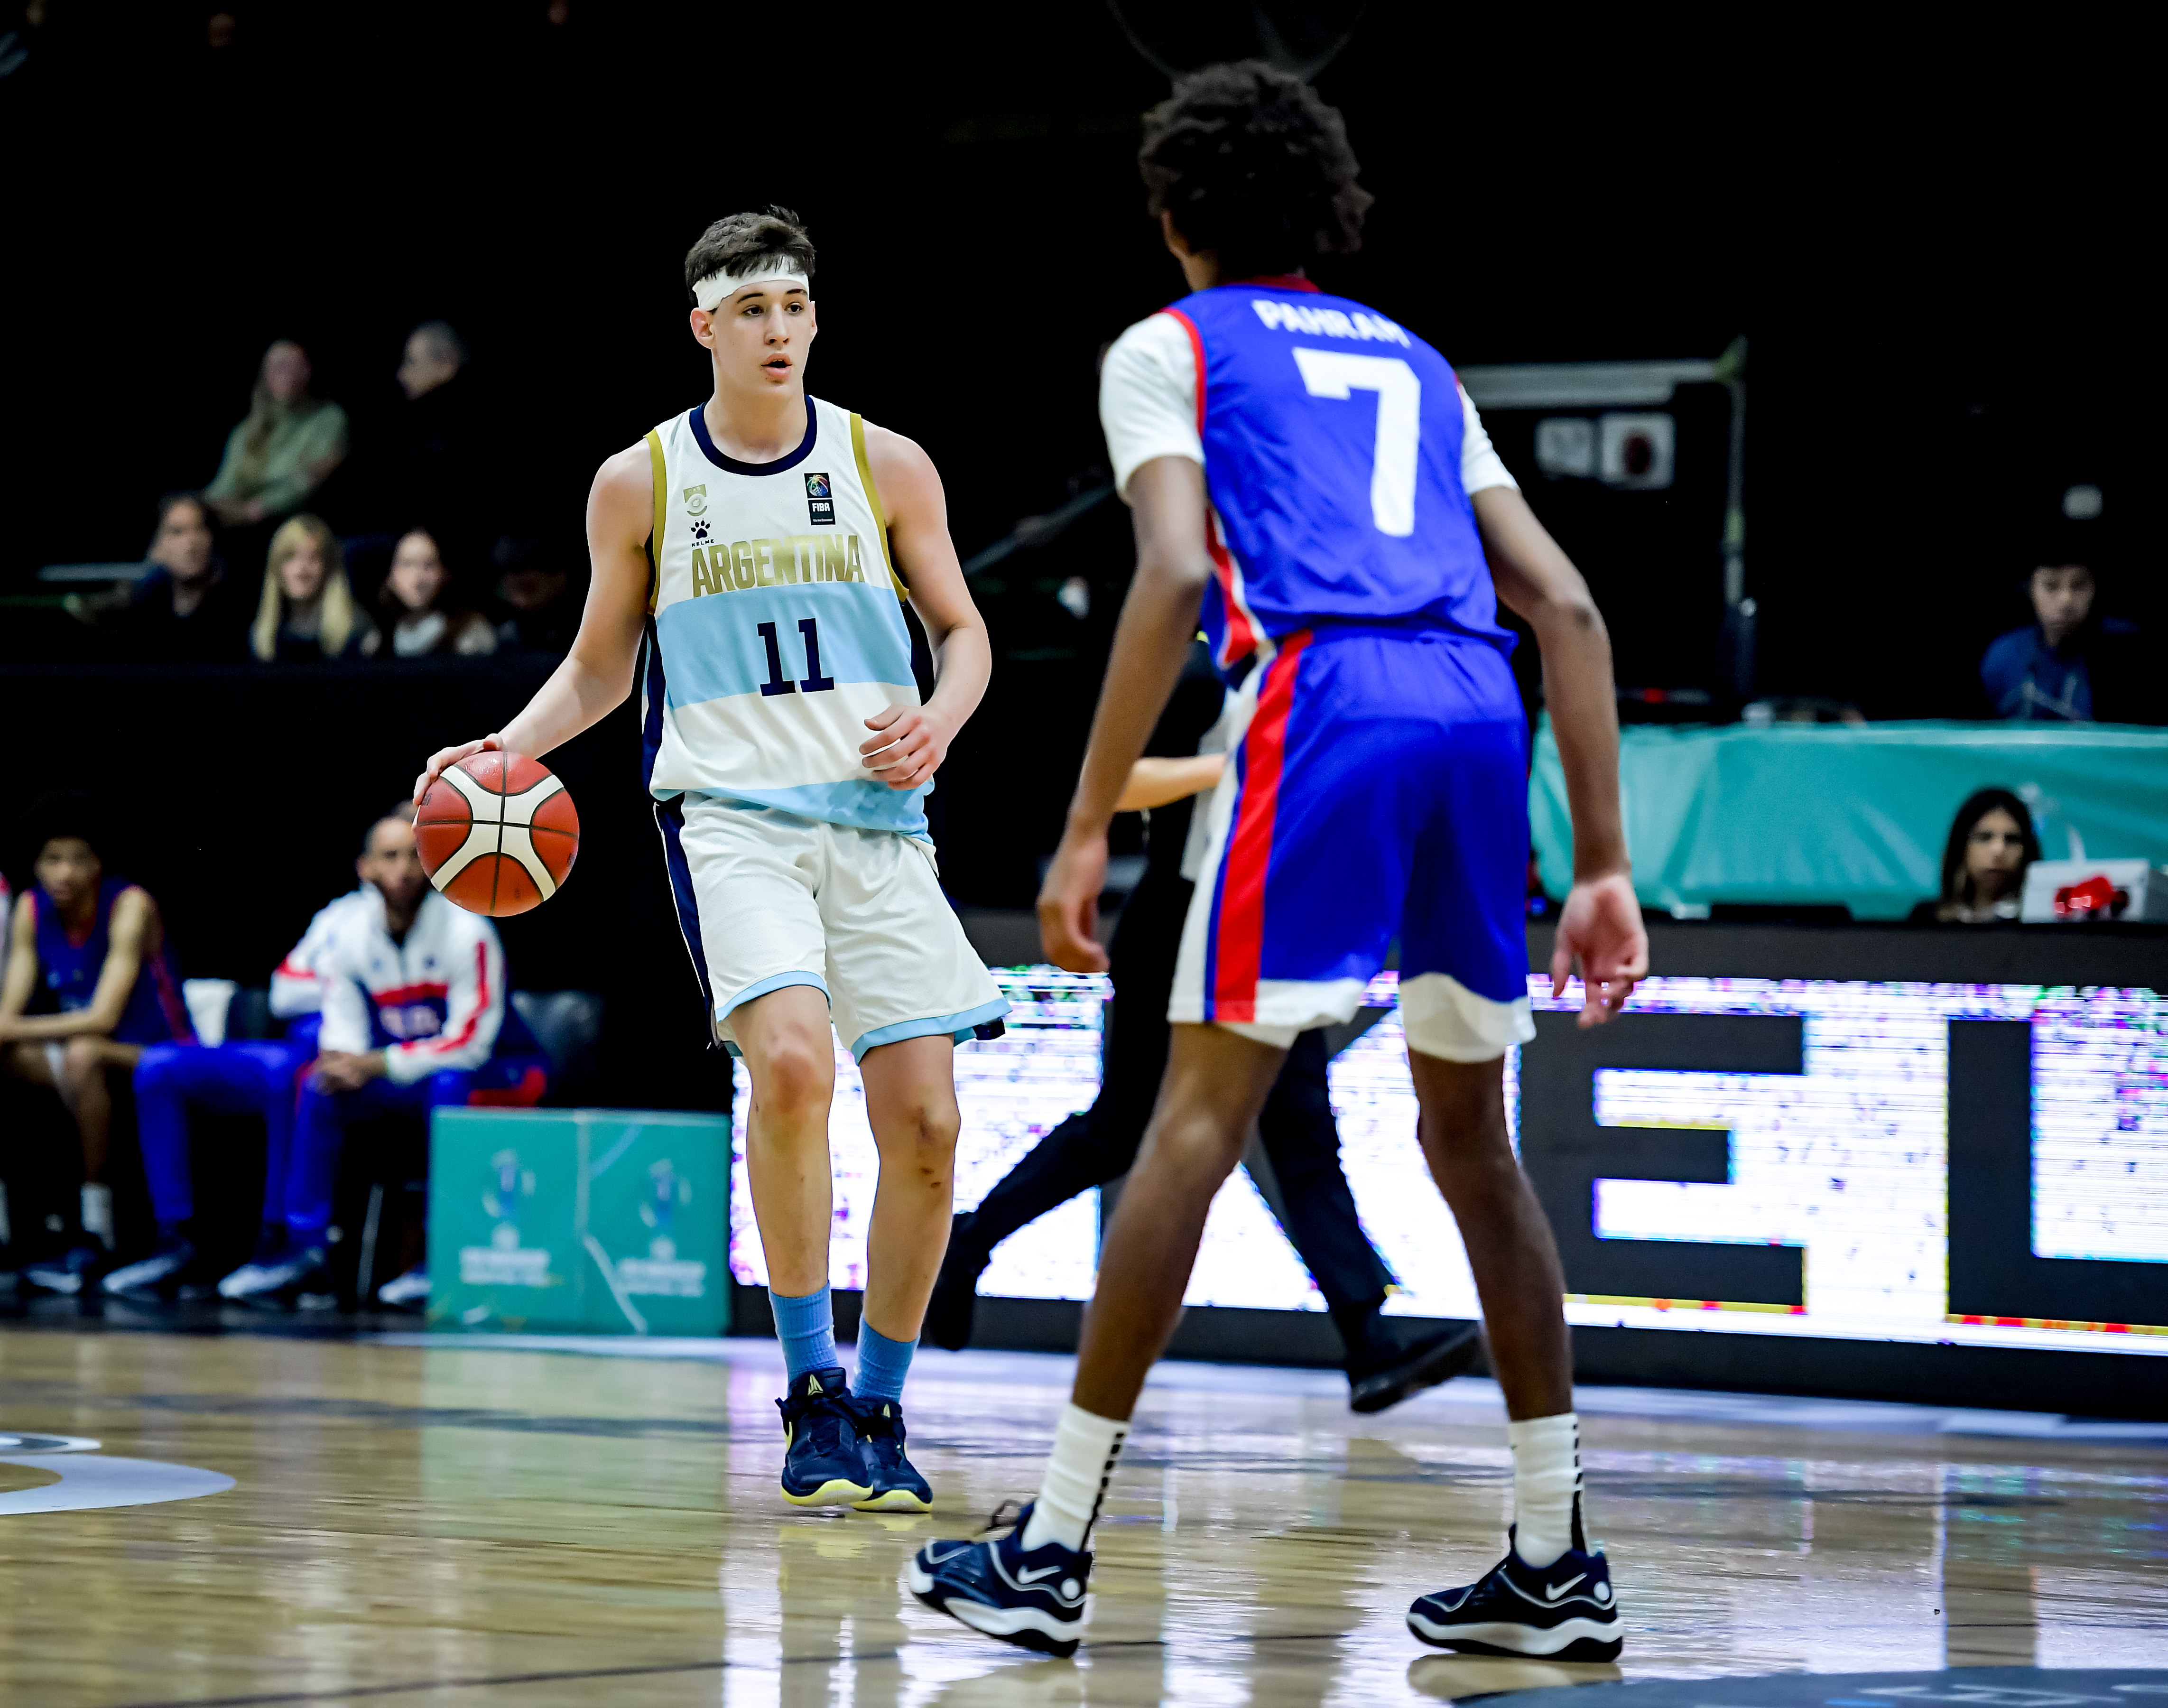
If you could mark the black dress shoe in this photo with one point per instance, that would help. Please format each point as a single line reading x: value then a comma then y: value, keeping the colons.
x: 1394, y: 1360
x: 955, y: 1290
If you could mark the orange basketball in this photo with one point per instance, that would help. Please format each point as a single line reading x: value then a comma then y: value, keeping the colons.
x: 497, y: 833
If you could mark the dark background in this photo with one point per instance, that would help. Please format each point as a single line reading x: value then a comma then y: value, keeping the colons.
x: 1927, y: 237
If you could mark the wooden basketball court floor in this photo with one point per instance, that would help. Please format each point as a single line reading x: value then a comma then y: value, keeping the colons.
x: 465, y: 1524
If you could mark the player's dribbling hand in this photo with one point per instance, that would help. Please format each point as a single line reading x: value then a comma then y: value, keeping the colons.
x: 446, y: 757
x: 910, y: 744
x: 1600, y: 926
x: 1069, y: 903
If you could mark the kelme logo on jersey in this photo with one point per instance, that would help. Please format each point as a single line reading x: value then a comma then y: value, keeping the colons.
x: 820, y: 499
x: 696, y: 500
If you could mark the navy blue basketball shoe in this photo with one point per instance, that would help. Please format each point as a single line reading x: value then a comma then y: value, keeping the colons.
x: 896, y: 1485
x: 1034, y: 1600
x: 823, y: 1465
x: 1564, y: 1611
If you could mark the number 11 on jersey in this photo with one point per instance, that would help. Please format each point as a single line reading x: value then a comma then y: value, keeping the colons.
x: 809, y: 631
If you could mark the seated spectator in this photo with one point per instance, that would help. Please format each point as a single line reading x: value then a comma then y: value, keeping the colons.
x: 433, y: 356
x: 420, y: 625
x: 1991, y: 843
x: 88, y: 954
x: 437, y: 456
x: 534, y: 584
x: 187, y: 610
x: 414, y: 1019
x: 238, y: 1077
x: 306, y: 611
x: 2070, y: 666
x: 285, y: 448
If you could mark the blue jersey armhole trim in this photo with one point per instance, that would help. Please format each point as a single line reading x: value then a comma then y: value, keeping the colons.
x: 697, y: 420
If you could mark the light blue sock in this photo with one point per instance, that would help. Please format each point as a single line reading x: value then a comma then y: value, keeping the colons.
x: 883, y: 1364
x: 806, y: 1328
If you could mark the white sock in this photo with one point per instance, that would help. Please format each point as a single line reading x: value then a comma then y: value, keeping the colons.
x: 97, y: 1213
x: 1546, y: 1485
x: 1084, y: 1449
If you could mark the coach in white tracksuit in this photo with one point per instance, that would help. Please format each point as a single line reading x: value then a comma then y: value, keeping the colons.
x: 413, y: 1004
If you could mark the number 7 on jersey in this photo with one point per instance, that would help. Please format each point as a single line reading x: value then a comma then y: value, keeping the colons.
x: 1339, y: 373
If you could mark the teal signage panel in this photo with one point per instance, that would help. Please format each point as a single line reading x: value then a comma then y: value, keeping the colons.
x: 579, y: 1221
x: 657, y: 1227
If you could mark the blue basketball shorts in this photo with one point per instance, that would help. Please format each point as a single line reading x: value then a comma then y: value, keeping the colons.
x: 1378, y: 790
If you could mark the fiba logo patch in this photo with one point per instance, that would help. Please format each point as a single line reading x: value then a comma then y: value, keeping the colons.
x: 820, y: 499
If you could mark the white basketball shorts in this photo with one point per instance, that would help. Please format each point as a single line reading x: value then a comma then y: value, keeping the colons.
x: 858, y: 914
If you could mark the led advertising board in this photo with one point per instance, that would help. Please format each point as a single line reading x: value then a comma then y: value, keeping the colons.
x: 1973, y: 1164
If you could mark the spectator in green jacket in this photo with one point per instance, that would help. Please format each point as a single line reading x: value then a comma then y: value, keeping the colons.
x: 286, y: 448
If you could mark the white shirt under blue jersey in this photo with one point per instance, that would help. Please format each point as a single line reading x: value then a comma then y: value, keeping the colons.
x: 1339, y: 453
x: 1148, y: 406
x: 778, y: 626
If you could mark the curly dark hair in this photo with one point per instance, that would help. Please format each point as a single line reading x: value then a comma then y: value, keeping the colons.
x: 1253, y: 165
x: 65, y: 812
x: 727, y: 245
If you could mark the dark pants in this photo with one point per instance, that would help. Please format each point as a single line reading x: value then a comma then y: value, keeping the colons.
x: 323, y: 1118
x: 1313, y: 1204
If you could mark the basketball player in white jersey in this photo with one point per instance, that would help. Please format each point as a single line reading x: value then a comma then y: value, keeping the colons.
x: 752, y: 557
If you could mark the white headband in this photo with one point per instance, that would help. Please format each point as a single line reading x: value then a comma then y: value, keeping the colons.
x: 713, y: 291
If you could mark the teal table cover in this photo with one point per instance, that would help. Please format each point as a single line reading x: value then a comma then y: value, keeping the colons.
x: 1849, y: 813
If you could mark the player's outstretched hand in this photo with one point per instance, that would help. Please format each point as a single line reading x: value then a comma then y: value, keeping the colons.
x: 909, y: 747
x: 446, y: 757
x: 1600, y: 928
x: 1069, y: 903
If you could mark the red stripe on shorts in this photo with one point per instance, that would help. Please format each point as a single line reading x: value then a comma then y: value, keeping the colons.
x: 1241, y: 923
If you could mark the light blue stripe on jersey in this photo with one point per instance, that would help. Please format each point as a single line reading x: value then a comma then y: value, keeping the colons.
x: 867, y: 806
x: 715, y: 648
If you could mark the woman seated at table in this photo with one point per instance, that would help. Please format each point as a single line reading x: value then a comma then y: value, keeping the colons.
x: 1991, y: 843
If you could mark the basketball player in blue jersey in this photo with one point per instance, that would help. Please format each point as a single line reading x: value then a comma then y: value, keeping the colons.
x: 752, y: 558
x: 89, y: 982
x: 1313, y: 473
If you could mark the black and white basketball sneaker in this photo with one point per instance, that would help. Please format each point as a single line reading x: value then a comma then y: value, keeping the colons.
x: 173, y: 1270
x: 1035, y: 1600
x: 1564, y: 1611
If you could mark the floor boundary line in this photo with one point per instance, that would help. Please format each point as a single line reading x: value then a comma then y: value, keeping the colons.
x: 356, y: 1692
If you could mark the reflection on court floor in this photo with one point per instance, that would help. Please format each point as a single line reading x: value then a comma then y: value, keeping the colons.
x: 470, y: 1523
